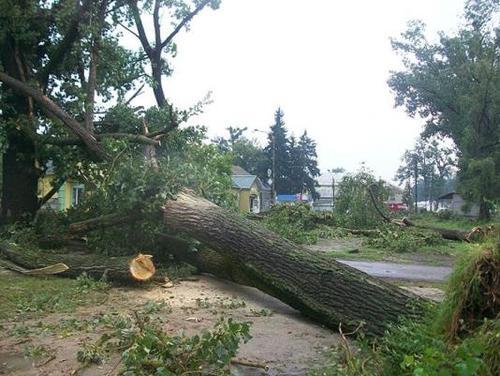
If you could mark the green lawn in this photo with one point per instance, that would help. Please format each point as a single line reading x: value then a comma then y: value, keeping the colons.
x: 443, y: 254
x: 455, y: 223
x: 23, y: 297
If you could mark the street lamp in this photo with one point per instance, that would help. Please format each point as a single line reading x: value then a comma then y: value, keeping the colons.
x: 273, y: 170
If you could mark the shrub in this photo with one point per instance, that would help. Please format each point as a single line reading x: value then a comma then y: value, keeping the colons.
x: 444, y: 214
x: 473, y: 290
x: 404, y: 240
x: 414, y: 348
x: 353, y: 204
x: 299, y: 223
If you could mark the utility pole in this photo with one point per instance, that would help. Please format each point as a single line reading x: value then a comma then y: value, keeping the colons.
x: 415, y: 171
x: 273, y: 187
x: 273, y: 171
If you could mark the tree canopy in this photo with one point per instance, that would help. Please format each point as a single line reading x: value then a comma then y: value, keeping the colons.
x: 454, y: 85
x: 67, y: 84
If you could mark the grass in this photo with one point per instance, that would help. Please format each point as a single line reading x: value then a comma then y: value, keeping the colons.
x: 433, y: 255
x: 453, y: 223
x: 23, y: 297
x: 459, y: 336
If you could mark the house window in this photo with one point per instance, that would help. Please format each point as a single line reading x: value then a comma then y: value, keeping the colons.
x: 254, y: 204
x: 77, y: 194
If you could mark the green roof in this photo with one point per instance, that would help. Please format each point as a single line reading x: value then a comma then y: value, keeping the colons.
x: 243, y: 181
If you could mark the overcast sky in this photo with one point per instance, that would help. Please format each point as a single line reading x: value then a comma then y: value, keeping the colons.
x: 325, y: 62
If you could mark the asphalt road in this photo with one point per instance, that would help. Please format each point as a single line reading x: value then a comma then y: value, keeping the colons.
x: 411, y: 272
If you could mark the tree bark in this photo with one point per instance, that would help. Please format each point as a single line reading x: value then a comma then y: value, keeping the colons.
x: 108, y: 220
x: 317, y: 285
x: 19, y: 179
x: 19, y: 171
x: 114, y: 268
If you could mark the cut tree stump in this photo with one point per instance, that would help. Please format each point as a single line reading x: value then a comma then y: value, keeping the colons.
x: 318, y: 286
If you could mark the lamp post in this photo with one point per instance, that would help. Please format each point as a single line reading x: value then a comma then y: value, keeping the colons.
x: 273, y: 169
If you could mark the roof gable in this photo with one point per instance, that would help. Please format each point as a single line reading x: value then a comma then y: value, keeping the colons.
x: 243, y: 181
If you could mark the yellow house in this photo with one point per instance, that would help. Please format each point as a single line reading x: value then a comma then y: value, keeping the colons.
x: 68, y: 195
x: 252, y: 195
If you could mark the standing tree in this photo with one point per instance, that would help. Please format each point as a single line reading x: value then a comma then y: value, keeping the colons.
x: 278, y: 153
x: 353, y: 203
x: 246, y: 152
x: 310, y: 171
x: 428, y: 165
x: 303, y: 165
x: 454, y: 85
x: 58, y: 60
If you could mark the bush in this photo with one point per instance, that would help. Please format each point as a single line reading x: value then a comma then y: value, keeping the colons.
x: 461, y: 336
x: 300, y: 224
x: 405, y: 240
x: 414, y: 348
x: 473, y: 290
x: 353, y: 204
x: 444, y: 214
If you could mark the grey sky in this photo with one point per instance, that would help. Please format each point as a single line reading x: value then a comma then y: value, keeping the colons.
x: 324, y: 62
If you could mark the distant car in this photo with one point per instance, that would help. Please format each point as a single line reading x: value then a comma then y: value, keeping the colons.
x: 397, y: 207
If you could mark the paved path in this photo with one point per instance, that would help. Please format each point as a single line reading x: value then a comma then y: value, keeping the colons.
x: 410, y: 272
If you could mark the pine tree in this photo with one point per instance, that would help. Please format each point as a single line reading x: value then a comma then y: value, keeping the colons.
x: 310, y: 170
x: 278, y: 144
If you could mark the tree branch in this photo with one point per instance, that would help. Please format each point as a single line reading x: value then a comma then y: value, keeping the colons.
x: 129, y: 30
x: 184, y: 22
x: 58, y: 113
x: 94, y: 55
x: 156, y: 24
x: 138, y: 91
x: 51, y: 193
x: 107, y: 220
x: 64, y: 47
x: 140, y: 27
x: 137, y: 138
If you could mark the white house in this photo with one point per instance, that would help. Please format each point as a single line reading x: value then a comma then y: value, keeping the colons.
x: 455, y: 203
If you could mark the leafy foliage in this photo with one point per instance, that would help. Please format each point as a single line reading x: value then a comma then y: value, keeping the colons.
x: 404, y: 240
x: 151, y: 351
x: 460, y: 336
x: 413, y: 348
x: 130, y: 184
x: 148, y: 350
x: 299, y: 223
x: 473, y: 288
x: 454, y: 85
x: 353, y: 205
x: 429, y: 164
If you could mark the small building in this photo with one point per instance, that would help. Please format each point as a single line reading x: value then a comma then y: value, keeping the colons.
x: 68, y: 195
x: 325, y: 191
x: 253, y: 196
x: 455, y: 203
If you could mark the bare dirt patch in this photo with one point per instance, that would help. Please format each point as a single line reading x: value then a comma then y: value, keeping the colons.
x: 283, y: 339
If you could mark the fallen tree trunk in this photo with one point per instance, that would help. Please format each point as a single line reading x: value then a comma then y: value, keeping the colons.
x: 95, y: 266
x: 405, y: 222
x: 317, y: 285
x: 444, y: 232
x: 104, y: 221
